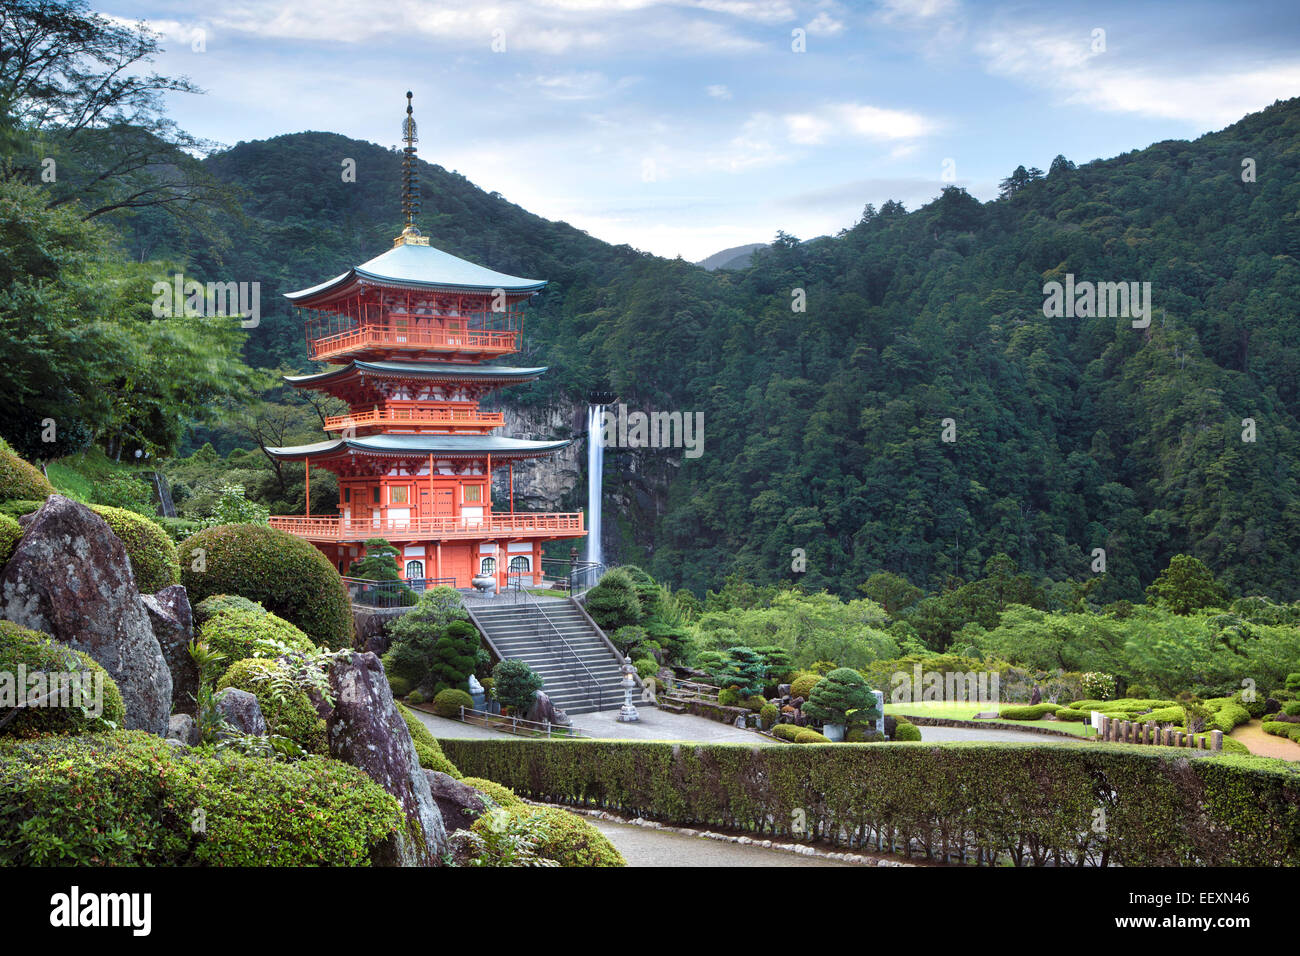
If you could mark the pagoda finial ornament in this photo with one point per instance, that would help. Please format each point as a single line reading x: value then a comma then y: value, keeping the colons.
x: 410, y: 181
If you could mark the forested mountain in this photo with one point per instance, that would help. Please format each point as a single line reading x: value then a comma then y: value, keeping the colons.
x: 823, y: 427
x: 736, y: 257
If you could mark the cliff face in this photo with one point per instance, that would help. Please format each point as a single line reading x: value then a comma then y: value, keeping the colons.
x: 635, y: 488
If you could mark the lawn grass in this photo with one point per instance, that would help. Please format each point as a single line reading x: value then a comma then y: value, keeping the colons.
x: 76, y: 475
x: 967, y: 711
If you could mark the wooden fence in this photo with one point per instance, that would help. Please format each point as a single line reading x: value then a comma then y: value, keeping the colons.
x: 1134, y: 732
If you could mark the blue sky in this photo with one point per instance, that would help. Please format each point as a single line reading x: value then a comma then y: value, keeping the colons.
x: 687, y: 126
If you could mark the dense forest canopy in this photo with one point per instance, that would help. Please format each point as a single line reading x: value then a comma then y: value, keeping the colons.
x: 824, y: 426
x: 829, y: 373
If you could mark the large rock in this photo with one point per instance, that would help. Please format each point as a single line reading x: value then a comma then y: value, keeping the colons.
x: 543, y: 710
x: 459, y: 803
x: 173, y: 625
x: 366, y: 731
x: 70, y: 577
x: 242, y: 711
x: 181, y: 727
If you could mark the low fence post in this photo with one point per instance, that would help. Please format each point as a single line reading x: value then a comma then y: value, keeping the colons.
x: 1216, y: 740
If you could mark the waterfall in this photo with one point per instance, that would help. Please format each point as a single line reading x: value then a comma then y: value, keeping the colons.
x: 595, y: 476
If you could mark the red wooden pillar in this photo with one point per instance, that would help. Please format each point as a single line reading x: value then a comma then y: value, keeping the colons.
x: 512, y: 487
x: 307, y: 465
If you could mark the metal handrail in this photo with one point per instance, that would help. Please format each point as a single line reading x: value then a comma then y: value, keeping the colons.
x: 538, y: 612
x: 544, y: 726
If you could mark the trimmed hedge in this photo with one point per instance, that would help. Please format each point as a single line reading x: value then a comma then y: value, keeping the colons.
x: 1028, y: 711
x: 786, y: 731
x: 427, y: 748
x: 18, y: 479
x: 130, y: 799
x: 803, y: 684
x: 566, y: 838
x: 151, y: 552
x: 10, y: 532
x: 40, y: 652
x: 290, y: 715
x: 1021, y: 803
x: 1280, y: 728
x: 809, y: 736
x: 287, y: 575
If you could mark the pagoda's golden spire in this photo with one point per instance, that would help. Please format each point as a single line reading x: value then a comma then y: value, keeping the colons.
x: 410, y: 182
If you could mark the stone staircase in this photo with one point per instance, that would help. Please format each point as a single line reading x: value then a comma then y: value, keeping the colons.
x: 559, y: 653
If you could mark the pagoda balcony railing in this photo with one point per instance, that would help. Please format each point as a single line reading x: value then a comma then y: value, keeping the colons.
x: 497, y: 525
x: 416, y: 417
x: 412, y: 339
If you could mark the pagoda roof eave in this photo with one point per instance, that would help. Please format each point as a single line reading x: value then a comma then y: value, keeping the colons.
x: 418, y: 267
x: 436, y: 371
x: 408, y: 446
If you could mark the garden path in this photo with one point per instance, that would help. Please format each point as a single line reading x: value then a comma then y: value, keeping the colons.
x: 643, y: 846
x: 1265, y: 745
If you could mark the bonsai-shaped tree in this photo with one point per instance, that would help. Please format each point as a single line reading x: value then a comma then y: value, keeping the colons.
x: 416, y: 635
x: 842, y: 697
x: 516, y: 685
x: 613, y: 603
x: 777, y: 661
x: 742, y: 668
x: 380, y: 564
x: 454, y: 657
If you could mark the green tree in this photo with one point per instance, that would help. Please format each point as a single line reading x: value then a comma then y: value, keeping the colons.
x: 516, y: 685
x: 842, y: 697
x: 891, y: 591
x: 1186, y: 585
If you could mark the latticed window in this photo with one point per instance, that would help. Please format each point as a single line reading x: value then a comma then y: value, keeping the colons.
x: 488, y: 566
x: 519, y: 565
x: 414, y: 569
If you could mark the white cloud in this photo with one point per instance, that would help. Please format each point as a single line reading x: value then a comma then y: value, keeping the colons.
x: 1201, y: 92
x: 825, y: 25
x: 855, y: 119
x: 718, y: 91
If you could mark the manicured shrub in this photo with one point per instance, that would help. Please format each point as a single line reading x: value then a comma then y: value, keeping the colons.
x: 1066, y: 713
x: 217, y: 603
x: 415, y: 697
x: 400, y: 686
x: 427, y: 748
x: 809, y: 736
x: 1291, y: 708
x: 19, y: 507
x: 842, y: 697
x: 768, y: 715
x: 128, y: 798
x: 1028, y: 712
x: 729, y: 697
x: 18, y: 479
x: 152, y: 554
x: 450, y: 700
x: 613, y: 602
x: 1281, y: 729
x: 755, y: 703
x: 501, y: 796
x: 628, y: 637
x: 288, y: 710
x: 907, y: 731
x: 647, y: 667
x: 564, y: 837
x: 287, y: 575
x: 10, y: 532
x: 803, y: 684
x: 860, y: 735
x: 241, y: 634
x: 777, y: 662
x: 434, y: 646
x: 38, y: 652
x: 1292, y: 682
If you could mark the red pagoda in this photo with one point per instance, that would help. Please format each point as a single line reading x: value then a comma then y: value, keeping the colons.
x: 414, y: 335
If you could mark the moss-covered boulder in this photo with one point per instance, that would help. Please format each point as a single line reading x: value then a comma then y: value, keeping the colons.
x: 561, y: 836
x: 70, y: 712
x: 286, y: 575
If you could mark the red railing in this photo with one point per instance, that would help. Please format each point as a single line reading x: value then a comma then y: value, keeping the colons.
x: 489, y: 526
x: 396, y: 415
x: 389, y: 337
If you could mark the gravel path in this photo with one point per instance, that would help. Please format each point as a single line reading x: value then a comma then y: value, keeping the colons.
x: 1265, y: 745
x: 641, y: 846
x: 991, y: 735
